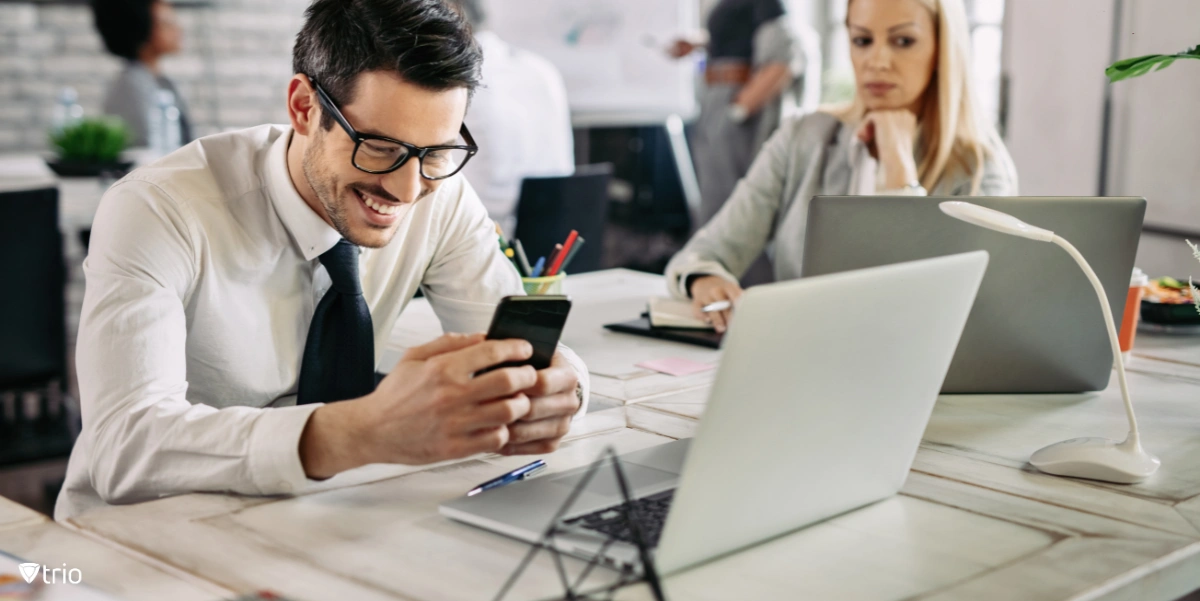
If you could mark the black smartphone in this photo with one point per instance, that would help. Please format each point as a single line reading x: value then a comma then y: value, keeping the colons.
x: 538, y: 319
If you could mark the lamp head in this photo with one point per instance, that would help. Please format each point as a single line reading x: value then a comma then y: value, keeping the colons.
x: 994, y: 220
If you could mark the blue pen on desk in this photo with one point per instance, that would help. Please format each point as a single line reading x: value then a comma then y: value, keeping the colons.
x: 538, y: 267
x: 516, y: 475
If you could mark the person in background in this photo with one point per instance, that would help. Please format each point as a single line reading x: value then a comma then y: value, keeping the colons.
x: 141, y: 32
x: 520, y: 115
x: 914, y: 125
x: 753, y: 55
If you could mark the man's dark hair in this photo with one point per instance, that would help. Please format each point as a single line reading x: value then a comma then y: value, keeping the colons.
x: 423, y: 41
x: 124, y: 25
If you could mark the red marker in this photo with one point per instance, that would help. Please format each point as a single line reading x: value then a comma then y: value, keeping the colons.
x: 566, y: 248
x: 551, y: 259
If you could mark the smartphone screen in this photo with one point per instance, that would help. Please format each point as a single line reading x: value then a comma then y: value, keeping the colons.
x: 538, y: 319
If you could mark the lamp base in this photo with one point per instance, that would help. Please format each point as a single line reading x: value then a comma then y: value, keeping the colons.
x: 1097, y: 459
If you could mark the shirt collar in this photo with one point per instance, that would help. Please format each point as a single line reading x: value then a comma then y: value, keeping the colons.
x: 310, y: 233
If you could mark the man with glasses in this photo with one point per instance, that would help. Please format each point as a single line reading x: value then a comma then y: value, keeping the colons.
x: 240, y: 290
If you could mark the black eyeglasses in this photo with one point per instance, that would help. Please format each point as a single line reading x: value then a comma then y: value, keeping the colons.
x: 378, y: 155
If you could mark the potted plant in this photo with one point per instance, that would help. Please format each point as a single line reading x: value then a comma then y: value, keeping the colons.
x: 1141, y: 65
x: 89, y: 147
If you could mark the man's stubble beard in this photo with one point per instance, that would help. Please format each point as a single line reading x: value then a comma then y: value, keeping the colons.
x: 325, y: 187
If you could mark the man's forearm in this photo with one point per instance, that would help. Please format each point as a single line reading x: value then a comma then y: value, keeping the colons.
x: 335, y: 439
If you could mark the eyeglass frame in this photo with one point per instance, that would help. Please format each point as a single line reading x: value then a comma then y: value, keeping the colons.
x: 413, y: 150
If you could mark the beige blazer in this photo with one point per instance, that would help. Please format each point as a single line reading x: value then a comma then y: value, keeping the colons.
x: 806, y: 157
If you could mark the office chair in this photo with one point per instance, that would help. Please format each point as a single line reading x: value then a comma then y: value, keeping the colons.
x: 35, y: 424
x: 550, y: 207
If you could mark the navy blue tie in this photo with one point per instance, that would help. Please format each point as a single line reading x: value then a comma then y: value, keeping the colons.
x: 339, y: 355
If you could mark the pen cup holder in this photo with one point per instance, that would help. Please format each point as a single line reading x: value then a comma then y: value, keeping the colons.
x: 547, y: 285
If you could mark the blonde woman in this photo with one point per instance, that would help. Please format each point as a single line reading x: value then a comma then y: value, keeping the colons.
x: 913, y: 126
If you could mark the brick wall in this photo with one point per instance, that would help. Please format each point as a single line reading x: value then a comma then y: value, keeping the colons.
x: 233, y: 70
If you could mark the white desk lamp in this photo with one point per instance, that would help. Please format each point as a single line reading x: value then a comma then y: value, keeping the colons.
x: 1092, y: 458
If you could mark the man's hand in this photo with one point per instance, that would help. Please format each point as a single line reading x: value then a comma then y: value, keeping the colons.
x: 681, y: 48
x: 430, y: 408
x: 553, y: 402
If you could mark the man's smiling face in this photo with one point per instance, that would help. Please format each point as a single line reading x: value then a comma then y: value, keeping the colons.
x: 365, y: 208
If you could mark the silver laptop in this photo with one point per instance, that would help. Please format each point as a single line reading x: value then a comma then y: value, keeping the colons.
x: 1036, y: 327
x: 823, y: 392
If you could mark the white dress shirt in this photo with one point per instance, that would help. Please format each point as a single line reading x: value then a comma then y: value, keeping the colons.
x: 202, y: 278
x: 520, y: 119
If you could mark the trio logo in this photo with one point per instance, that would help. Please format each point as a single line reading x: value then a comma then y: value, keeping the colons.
x: 29, y: 572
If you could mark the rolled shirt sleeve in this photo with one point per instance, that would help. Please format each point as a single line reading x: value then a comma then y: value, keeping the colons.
x: 469, y: 275
x: 143, y: 438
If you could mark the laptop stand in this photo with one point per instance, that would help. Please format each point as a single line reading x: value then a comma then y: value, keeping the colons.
x: 629, y: 575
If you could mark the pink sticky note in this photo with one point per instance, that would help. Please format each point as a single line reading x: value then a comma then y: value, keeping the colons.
x: 675, y: 366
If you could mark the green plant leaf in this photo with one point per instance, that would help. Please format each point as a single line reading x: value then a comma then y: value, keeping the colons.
x: 1141, y: 65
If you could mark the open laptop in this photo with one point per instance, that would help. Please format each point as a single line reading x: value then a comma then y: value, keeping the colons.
x: 1037, y: 327
x: 823, y: 392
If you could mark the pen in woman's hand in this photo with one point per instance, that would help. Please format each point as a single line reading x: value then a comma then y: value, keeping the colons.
x: 717, y: 306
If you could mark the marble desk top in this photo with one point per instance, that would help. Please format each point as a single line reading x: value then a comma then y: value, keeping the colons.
x: 32, y: 536
x: 969, y: 524
x: 13, y: 515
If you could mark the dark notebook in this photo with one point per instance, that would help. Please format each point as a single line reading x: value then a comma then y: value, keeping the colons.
x: 642, y: 327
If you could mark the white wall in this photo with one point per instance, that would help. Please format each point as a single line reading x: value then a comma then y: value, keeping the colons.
x: 1055, y: 55
x: 1056, y: 52
x: 1156, y: 117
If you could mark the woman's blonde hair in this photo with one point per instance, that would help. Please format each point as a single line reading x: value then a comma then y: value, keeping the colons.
x: 955, y: 133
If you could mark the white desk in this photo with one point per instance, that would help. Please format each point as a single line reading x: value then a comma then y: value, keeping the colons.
x: 1176, y: 349
x: 973, y: 522
x: 14, y: 515
x: 31, y: 536
x: 79, y: 197
x: 985, y: 442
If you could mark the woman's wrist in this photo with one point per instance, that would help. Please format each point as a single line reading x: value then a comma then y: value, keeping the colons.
x: 900, y: 169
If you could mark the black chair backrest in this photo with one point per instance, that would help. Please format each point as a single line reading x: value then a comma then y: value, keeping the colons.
x: 32, y: 280
x: 550, y: 207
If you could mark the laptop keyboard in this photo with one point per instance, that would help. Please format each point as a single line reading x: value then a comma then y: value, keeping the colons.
x: 610, y: 521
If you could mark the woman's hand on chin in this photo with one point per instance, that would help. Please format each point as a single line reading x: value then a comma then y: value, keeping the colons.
x: 891, y: 136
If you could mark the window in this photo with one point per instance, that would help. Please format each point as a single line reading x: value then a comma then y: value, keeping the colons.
x: 987, y: 22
